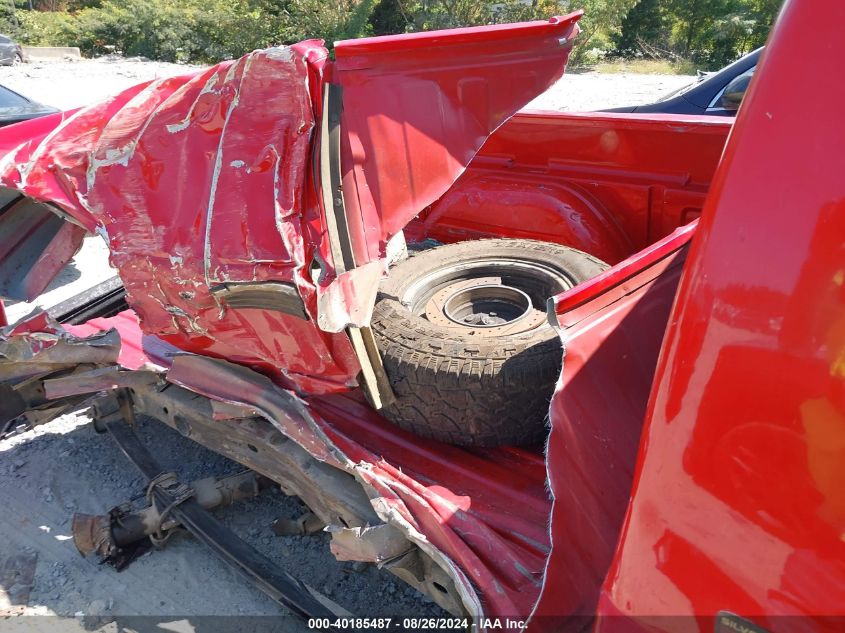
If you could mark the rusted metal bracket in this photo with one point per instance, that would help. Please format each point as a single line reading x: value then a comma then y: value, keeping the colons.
x: 26, y: 403
x: 283, y: 588
x: 337, y: 228
x: 36, y: 351
x: 330, y: 493
x: 114, y: 536
x: 333, y: 495
x: 308, y: 523
x: 375, y: 382
x: 377, y: 387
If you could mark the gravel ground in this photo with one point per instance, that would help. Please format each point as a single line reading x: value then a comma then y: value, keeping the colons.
x: 67, y: 85
x: 63, y: 467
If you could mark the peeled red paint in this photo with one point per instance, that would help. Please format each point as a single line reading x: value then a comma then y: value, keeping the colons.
x: 208, y: 180
x: 197, y: 181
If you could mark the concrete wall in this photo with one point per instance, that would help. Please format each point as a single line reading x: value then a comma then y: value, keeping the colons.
x: 51, y: 52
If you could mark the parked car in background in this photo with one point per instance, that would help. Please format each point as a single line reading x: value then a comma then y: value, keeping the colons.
x: 10, y: 51
x: 15, y: 107
x: 718, y: 93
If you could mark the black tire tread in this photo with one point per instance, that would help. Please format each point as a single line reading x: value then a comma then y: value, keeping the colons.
x: 484, y: 392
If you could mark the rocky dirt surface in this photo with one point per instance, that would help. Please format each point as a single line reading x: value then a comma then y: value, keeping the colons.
x: 71, y: 84
x: 64, y: 467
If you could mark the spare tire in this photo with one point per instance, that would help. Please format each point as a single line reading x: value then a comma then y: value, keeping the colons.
x: 463, y: 334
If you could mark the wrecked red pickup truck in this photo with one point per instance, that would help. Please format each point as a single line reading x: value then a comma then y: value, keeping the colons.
x: 337, y: 274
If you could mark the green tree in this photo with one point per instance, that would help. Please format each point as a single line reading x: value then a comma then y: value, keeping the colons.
x: 602, y: 20
x: 715, y: 32
x: 763, y: 13
x: 710, y: 33
x: 691, y: 18
x: 187, y: 30
x: 388, y: 18
x: 330, y: 21
x: 427, y: 15
x: 644, y: 27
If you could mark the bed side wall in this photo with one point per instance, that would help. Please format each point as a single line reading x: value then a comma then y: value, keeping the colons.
x: 608, y: 184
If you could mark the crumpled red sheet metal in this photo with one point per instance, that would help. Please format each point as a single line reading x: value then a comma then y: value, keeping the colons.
x: 137, y: 350
x: 418, y: 107
x: 207, y: 182
x: 612, y: 329
x: 487, y: 510
x: 39, y: 339
x: 38, y: 346
x: 35, y: 244
x: 197, y: 181
x: 483, y: 513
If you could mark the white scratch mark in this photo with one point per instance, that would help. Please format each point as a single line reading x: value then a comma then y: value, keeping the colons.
x: 206, y: 89
x: 177, y: 311
x: 10, y: 158
x: 281, y: 53
x: 121, y: 155
x: 42, y: 146
x: 277, y: 208
x: 215, y: 176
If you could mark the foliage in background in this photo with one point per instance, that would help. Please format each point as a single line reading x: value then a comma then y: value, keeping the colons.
x: 708, y: 33
x: 183, y: 31
x: 331, y: 21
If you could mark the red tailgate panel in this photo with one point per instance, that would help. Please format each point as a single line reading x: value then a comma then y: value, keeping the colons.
x: 418, y: 107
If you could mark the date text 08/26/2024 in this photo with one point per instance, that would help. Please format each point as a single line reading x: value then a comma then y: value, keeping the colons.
x: 410, y: 623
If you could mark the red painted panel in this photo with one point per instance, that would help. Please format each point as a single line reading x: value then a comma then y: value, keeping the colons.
x: 611, y: 329
x: 418, y: 107
x: 604, y: 183
x: 35, y: 245
x: 201, y: 180
x: 485, y: 509
x: 738, y: 502
x: 208, y: 179
x: 132, y: 353
x: 739, y: 499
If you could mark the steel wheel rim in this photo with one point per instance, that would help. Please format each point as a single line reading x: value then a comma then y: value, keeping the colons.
x: 523, y: 284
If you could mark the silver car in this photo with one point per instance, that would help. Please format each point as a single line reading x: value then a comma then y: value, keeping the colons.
x: 10, y: 51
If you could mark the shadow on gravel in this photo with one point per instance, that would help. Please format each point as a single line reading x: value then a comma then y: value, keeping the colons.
x: 68, y: 274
